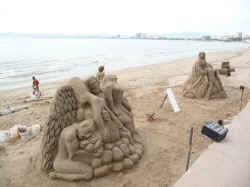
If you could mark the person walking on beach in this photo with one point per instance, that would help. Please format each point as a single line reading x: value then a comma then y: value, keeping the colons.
x: 35, y: 83
x: 36, y: 91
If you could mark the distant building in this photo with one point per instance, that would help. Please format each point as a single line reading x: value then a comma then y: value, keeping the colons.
x: 152, y: 36
x: 206, y: 37
x: 246, y: 37
x: 239, y: 36
x: 233, y: 37
x: 140, y: 35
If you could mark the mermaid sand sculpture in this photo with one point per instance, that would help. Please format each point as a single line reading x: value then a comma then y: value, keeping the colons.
x: 89, y: 132
x: 204, y: 82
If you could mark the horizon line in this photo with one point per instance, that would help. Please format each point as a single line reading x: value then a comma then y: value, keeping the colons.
x: 179, y: 32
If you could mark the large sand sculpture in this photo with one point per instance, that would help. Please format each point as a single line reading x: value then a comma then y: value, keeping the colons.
x: 90, y: 132
x: 204, y: 82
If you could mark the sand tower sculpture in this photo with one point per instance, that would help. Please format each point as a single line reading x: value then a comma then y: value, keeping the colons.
x: 204, y: 81
x: 90, y: 132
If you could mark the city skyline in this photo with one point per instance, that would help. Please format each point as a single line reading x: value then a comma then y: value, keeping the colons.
x: 139, y: 35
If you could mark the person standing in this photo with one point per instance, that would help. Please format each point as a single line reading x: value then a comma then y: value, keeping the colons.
x: 36, y: 91
x: 35, y: 83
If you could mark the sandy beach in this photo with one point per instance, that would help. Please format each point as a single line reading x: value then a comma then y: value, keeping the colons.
x: 166, y: 138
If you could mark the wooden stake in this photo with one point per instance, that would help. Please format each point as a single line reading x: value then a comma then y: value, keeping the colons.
x: 242, y: 91
x: 163, y: 101
x: 190, y: 148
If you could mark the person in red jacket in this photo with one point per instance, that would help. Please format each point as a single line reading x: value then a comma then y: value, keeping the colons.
x: 35, y: 85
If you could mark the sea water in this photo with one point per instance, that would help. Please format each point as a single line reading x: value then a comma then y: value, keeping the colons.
x: 54, y: 59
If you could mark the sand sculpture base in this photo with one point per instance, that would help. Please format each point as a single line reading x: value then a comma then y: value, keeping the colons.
x: 111, y: 157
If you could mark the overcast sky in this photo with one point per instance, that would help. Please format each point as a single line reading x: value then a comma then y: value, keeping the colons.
x: 124, y: 16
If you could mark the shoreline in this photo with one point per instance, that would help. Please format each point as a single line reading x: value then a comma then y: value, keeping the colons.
x: 59, y: 81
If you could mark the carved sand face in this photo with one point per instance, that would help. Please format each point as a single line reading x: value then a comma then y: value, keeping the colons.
x: 114, y: 78
x: 94, y: 85
x: 101, y: 68
x: 110, y: 78
x: 202, y: 59
x: 105, y: 115
x: 202, y: 55
x: 85, y: 129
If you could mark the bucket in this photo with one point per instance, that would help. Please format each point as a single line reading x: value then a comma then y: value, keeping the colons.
x: 4, y: 136
x: 34, y: 130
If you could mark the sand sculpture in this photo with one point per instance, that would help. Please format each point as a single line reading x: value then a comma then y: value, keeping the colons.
x: 90, y: 132
x: 204, y: 82
x: 226, y: 69
x: 100, y: 74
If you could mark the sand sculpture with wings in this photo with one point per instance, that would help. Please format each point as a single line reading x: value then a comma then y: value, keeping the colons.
x: 90, y: 132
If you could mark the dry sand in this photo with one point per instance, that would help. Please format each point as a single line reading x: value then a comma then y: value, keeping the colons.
x: 166, y: 138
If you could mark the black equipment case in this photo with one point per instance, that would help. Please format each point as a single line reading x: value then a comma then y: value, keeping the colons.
x: 214, y: 131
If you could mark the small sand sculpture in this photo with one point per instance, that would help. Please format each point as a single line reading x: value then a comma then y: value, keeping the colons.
x: 117, y: 103
x: 226, y: 69
x: 100, y: 74
x: 89, y: 132
x: 204, y: 81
